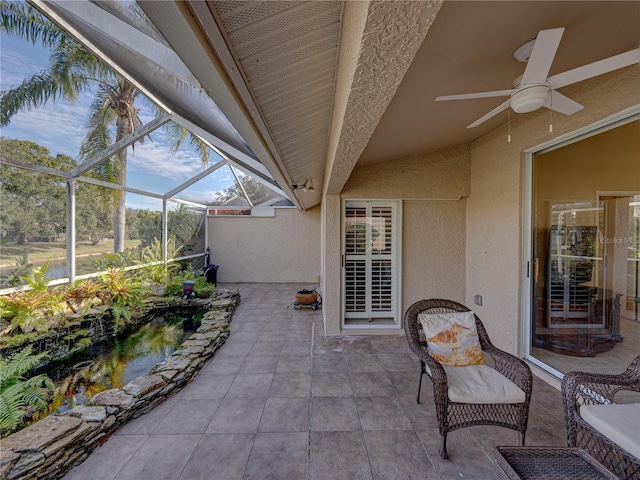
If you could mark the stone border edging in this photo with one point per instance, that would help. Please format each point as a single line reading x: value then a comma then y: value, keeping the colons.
x: 52, y: 446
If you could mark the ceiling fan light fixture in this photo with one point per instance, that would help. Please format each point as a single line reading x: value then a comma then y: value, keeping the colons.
x: 529, y: 99
x: 523, y: 53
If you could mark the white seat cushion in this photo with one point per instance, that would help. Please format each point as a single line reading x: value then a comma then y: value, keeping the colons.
x: 619, y: 422
x: 480, y: 384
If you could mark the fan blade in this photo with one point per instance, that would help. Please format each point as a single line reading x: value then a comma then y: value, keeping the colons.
x: 594, y: 69
x: 561, y: 103
x: 495, y: 111
x: 542, y: 55
x: 467, y: 96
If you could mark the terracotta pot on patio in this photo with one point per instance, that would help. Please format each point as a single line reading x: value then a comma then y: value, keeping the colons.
x: 306, y: 297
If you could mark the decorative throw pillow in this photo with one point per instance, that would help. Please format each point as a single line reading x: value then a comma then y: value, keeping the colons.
x: 452, y: 338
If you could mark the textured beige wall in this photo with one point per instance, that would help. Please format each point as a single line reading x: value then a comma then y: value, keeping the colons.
x: 284, y: 248
x: 441, y: 175
x: 331, y: 271
x: 494, y: 208
x: 433, y: 187
x: 433, y: 250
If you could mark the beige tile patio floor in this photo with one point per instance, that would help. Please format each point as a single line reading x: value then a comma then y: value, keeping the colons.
x: 281, y: 401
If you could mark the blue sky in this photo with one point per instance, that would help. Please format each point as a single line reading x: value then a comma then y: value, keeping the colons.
x: 60, y: 127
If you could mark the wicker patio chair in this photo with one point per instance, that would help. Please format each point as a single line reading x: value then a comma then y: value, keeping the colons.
x: 582, y: 388
x: 453, y: 415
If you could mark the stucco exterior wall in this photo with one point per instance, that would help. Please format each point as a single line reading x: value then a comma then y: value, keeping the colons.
x: 433, y: 250
x: 433, y: 187
x: 441, y: 175
x: 284, y: 248
x: 494, y: 208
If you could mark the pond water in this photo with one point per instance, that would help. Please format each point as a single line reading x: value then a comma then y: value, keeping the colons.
x: 114, y: 363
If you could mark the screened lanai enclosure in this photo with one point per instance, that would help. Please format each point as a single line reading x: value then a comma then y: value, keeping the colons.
x: 151, y: 186
x: 329, y: 107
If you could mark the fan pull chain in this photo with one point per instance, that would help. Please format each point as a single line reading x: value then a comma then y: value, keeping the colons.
x: 551, y: 111
x: 509, y: 128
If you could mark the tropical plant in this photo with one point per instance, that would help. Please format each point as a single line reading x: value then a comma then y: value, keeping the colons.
x: 74, y: 70
x: 201, y: 288
x: 35, y: 309
x: 158, y: 270
x: 20, y: 396
x: 174, y: 287
x: 24, y: 311
x: 80, y: 295
x: 38, y: 279
x: 123, y: 293
x: 126, y: 258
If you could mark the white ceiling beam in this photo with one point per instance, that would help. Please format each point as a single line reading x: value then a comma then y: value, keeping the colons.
x: 36, y: 168
x: 101, y: 183
x: 52, y: 11
x: 132, y: 38
x: 218, y: 144
x: 196, y: 178
x: 235, y: 175
x: 233, y: 156
x: 187, y: 202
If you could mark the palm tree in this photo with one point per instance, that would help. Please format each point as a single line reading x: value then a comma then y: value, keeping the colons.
x: 73, y: 70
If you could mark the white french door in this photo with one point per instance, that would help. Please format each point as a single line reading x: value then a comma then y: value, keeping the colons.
x: 370, y: 267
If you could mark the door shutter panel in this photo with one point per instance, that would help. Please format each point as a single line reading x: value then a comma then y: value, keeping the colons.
x: 370, y: 272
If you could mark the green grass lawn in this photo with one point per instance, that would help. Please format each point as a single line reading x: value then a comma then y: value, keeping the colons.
x: 39, y: 252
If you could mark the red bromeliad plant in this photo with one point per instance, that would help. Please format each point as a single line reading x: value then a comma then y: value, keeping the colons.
x: 123, y: 293
x: 81, y: 295
x: 34, y: 309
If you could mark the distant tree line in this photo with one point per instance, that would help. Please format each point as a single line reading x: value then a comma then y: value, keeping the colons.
x: 33, y: 204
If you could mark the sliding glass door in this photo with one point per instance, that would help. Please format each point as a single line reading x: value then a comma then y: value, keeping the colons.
x: 585, y: 252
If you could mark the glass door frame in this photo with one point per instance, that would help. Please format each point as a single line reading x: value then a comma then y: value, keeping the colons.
x: 526, y: 289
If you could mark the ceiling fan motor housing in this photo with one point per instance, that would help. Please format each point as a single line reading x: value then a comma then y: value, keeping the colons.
x: 529, y: 98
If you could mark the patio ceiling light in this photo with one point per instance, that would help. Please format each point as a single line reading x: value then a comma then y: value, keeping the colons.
x: 306, y: 186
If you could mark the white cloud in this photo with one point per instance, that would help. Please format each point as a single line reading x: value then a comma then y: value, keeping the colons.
x: 59, y: 127
x: 156, y: 158
x: 16, y: 66
x: 140, y: 202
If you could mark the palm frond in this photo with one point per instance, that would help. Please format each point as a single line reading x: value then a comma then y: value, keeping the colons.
x: 201, y: 148
x: 177, y: 135
x: 24, y: 21
x: 100, y: 125
x: 70, y: 56
x: 37, y: 90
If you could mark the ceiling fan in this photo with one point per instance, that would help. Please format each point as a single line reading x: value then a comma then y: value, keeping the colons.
x: 534, y: 89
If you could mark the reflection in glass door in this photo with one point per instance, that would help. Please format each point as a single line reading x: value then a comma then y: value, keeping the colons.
x: 585, y: 253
